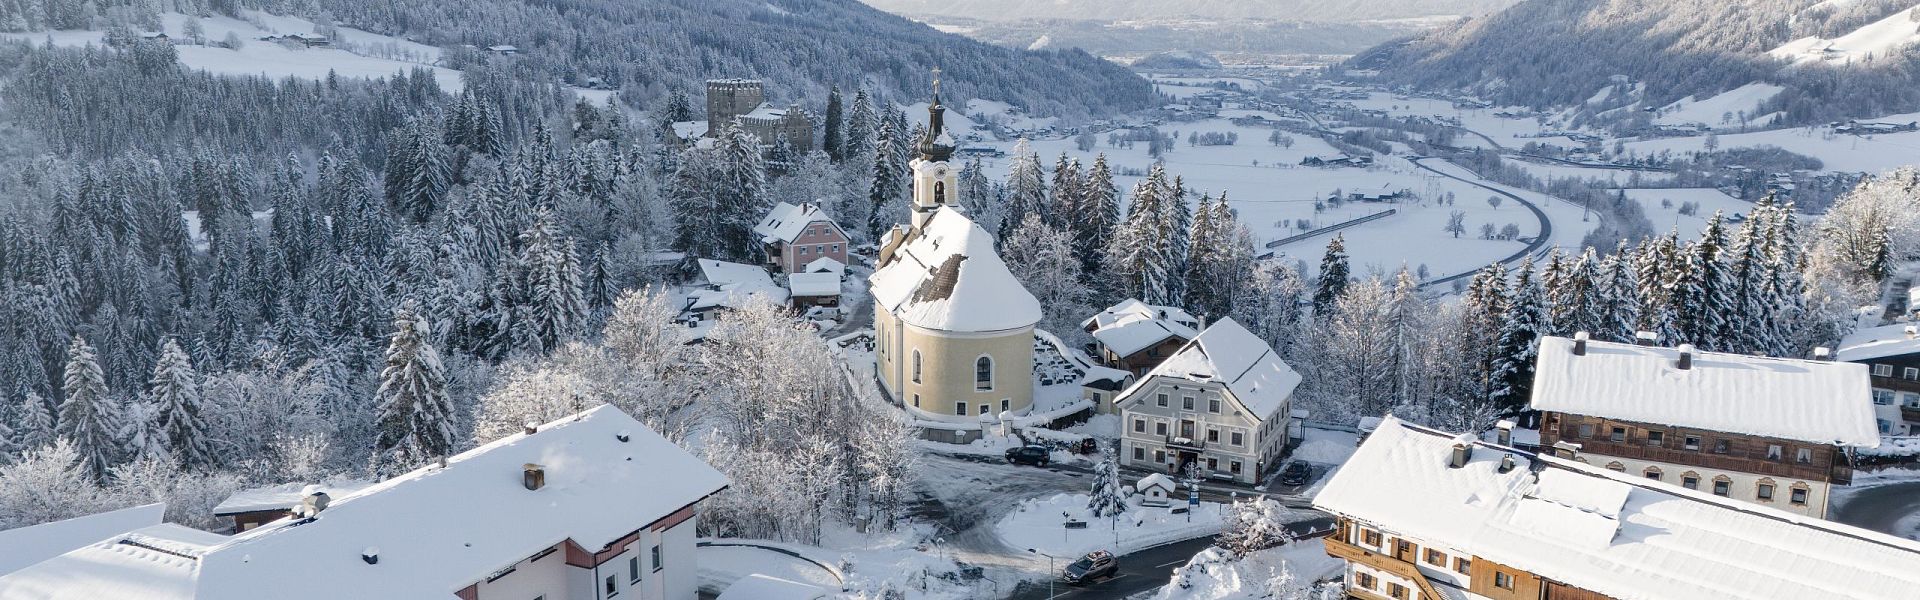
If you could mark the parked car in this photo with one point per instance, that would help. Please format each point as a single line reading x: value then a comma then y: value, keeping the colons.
x: 1094, y: 565
x: 1297, y: 473
x: 1037, y: 456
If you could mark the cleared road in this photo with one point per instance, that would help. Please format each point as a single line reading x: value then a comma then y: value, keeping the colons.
x: 1880, y: 508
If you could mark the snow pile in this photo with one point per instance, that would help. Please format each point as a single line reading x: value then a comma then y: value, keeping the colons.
x: 1040, y: 524
x: 1893, y: 446
x: 1281, y: 572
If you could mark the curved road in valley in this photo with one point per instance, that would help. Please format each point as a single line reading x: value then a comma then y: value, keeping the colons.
x: 1539, y: 242
x: 1880, y: 508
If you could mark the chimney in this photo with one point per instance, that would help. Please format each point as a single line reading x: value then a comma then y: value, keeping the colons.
x: 533, y: 476
x: 1686, y: 357
x: 1506, y: 463
x: 1823, y: 354
x: 532, y: 428
x: 1646, y: 338
x: 1580, y: 343
x: 371, y: 555
x: 1912, y: 332
x: 623, y: 436
x: 1505, y: 432
x: 1566, y: 450
x: 314, y: 503
x: 1461, y: 452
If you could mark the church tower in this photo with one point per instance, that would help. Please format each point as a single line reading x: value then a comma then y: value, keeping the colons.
x: 935, y: 182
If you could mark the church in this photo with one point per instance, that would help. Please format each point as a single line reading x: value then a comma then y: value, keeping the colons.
x: 953, y: 328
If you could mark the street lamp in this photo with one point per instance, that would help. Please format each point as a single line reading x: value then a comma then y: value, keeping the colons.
x: 1051, y: 575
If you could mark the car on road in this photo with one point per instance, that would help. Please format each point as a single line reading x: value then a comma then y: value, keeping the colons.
x: 1296, y: 474
x: 1037, y: 456
x: 1094, y: 565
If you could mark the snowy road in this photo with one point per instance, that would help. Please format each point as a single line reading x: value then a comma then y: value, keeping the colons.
x: 1892, y: 508
x: 1539, y: 241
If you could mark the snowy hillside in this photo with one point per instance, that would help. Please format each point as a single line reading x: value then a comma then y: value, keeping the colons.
x: 1291, y: 10
x: 1877, y: 40
x: 1722, y: 109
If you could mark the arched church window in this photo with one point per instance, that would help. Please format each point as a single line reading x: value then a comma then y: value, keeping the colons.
x: 939, y: 192
x: 983, y: 373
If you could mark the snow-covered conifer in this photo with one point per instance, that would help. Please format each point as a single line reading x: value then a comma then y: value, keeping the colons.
x: 1333, y: 279
x: 174, y: 393
x: 416, y: 415
x: 89, y: 417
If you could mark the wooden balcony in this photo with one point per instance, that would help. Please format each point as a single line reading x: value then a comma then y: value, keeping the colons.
x: 1337, y: 547
x: 1910, y: 414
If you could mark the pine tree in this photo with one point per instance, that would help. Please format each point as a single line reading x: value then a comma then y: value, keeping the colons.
x: 889, y: 181
x: 88, y: 417
x: 35, y: 428
x: 174, y: 393
x: 1104, y: 499
x: 1333, y: 279
x: 695, y: 204
x: 835, y: 140
x: 1619, y: 298
x: 1098, y: 218
x: 416, y: 415
x: 1484, y: 310
x: 862, y: 124
x: 556, y: 308
x: 1137, y: 257
x: 1066, y: 194
x: 1519, y: 343
x: 1701, y: 305
x: 1655, y: 267
x: 1026, y: 189
x: 1177, y: 218
x: 1201, y: 295
x: 601, y: 287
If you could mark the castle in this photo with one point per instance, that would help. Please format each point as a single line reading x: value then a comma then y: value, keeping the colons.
x: 746, y: 100
x: 953, y: 328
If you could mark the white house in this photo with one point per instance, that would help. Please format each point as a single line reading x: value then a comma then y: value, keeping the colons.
x: 1155, y: 490
x: 1892, y: 356
x: 1220, y: 402
x: 590, y: 506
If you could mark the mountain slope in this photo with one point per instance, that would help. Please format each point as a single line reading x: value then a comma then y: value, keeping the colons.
x: 1559, y: 52
x: 1114, y: 10
x: 800, y: 47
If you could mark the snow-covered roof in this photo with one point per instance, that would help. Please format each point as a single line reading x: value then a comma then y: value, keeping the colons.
x: 1620, y: 535
x: 765, y: 112
x: 22, y: 547
x: 1229, y: 354
x: 826, y: 264
x: 1813, y: 401
x: 767, y: 587
x: 155, y: 562
x: 721, y: 273
x: 435, y: 530
x: 1132, y: 326
x: 947, y: 277
x: 689, y: 129
x: 1158, y: 480
x: 284, y: 496
x: 786, y: 222
x: 814, y: 284
x: 1878, y: 342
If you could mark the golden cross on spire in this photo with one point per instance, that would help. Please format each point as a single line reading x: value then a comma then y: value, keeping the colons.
x: 936, y: 81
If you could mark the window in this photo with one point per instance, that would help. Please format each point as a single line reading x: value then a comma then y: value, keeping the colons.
x: 1691, y: 442
x: 1722, y: 486
x: 1139, y: 453
x: 1883, y: 370
x: 1882, y: 397
x: 633, y: 568
x: 1160, y: 456
x: 1140, y: 425
x: 613, y: 587
x: 1885, y: 425
x: 1690, y: 481
x: 1586, y: 430
x: 1502, y: 580
x: 1911, y: 399
x: 803, y: 250
x: 1233, y: 467
x: 1655, y: 438
x: 1370, y: 537
x: 1616, y: 466
x: 1774, y: 450
x: 1652, y: 473
x: 1462, y: 565
x: 1436, y: 558
x: 1764, y: 492
x: 1799, y: 495
x: 1399, y: 592
x: 1213, y: 464
x: 1213, y: 435
x: 1005, y: 404
x: 960, y: 408
x: 916, y: 366
x: 1803, y: 455
x: 1363, y: 580
x: 1186, y: 402
x: 657, y: 565
x: 1910, y: 373
x: 1619, y: 434
x: 1235, y: 439
x: 986, y: 408
x: 983, y: 373
x: 1213, y: 405
x: 1159, y: 428
x: 1160, y: 400
x: 1722, y: 446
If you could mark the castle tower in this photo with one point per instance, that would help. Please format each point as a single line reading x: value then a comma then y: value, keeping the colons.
x: 729, y: 98
x: 935, y: 182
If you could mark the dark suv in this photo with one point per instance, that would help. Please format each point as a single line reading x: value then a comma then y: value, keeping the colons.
x: 1094, y: 565
x: 1037, y: 456
x: 1298, y: 473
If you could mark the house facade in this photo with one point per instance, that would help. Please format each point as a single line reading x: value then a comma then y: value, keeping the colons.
x: 1429, y: 515
x: 1218, y: 405
x: 590, y: 506
x: 1892, y: 356
x: 1770, y: 431
x: 1135, y: 337
x: 794, y: 237
x: 953, y: 327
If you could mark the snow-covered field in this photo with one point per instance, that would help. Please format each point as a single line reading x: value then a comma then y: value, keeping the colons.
x: 1039, y: 524
x: 1547, y: 171
x: 1663, y: 205
x: 1722, y: 109
x: 1839, y: 152
x: 1878, y: 38
x: 1216, y: 574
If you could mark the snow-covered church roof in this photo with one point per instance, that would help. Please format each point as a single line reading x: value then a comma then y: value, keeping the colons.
x: 947, y: 277
x: 1620, y: 535
x: 1805, y: 400
x: 1236, y: 358
x: 435, y: 530
x: 1132, y: 326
